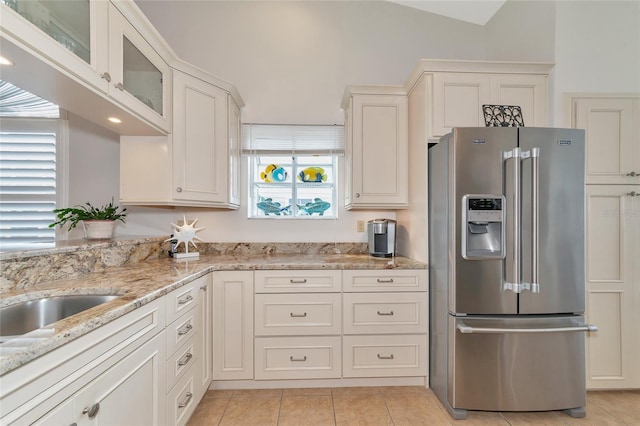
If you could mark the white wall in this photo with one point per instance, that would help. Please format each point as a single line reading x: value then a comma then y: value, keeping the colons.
x: 291, y: 61
x: 597, y: 50
x: 522, y: 31
x: 94, y: 165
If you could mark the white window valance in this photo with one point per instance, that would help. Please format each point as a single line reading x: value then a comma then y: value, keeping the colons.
x: 274, y: 139
x: 15, y: 102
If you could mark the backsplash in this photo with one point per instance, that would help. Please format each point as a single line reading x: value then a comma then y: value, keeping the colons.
x: 75, y: 258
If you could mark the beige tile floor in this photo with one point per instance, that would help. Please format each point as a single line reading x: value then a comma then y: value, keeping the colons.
x: 410, y: 405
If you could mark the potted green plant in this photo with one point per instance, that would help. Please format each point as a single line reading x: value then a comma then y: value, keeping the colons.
x: 97, y: 222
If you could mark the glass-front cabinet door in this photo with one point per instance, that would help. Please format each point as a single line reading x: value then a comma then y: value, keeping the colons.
x: 140, y: 77
x: 72, y: 33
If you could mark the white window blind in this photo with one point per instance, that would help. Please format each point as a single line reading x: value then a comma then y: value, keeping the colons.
x: 28, y: 176
x: 269, y: 139
x: 27, y: 189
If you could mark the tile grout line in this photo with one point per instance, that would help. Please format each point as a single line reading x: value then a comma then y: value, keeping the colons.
x: 333, y: 408
x: 225, y: 410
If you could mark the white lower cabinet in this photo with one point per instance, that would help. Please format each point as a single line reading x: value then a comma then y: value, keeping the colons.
x: 321, y: 324
x: 131, y: 392
x: 232, y: 325
x: 113, y: 375
x: 613, y: 286
x: 385, y: 355
x: 311, y: 357
x: 386, y: 319
x: 298, y: 332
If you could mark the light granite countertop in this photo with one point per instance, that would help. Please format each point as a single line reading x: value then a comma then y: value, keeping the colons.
x: 146, y: 281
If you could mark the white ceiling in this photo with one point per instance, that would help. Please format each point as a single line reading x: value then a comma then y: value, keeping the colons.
x: 475, y: 11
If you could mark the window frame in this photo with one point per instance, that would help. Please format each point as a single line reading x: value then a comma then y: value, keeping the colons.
x: 253, y: 181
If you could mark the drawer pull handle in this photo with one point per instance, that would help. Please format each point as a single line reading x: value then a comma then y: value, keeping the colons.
x: 390, y: 313
x: 184, y: 330
x: 385, y: 281
x: 297, y: 315
x: 93, y: 411
x: 385, y: 357
x: 303, y: 359
x: 302, y: 281
x: 186, y: 401
x: 187, y: 299
x: 185, y: 360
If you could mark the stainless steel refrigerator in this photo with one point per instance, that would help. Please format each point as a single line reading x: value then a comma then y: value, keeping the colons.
x: 507, y: 270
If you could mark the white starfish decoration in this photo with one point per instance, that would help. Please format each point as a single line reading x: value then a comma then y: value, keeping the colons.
x: 186, y: 233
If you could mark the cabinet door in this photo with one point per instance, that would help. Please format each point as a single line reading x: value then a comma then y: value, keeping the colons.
x: 131, y: 392
x: 232, y: 325
x: 612, y: 128
x: 204, y: 338
x: 139, y: 76
x: 613, y: 281
x: 379, y: 176
x: 458, y: 100
x: 235, y: 126
x: 71, y: 34
x: 200, y: 156
x: 529, y: 92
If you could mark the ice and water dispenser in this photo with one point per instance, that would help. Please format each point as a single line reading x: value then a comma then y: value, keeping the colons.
x: 483, y: 221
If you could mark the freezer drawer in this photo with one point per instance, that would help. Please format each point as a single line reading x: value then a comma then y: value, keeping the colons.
x: 517, y: 364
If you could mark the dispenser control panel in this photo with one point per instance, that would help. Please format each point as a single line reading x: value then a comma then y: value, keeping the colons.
x: 483, y: 233
x: 484, y: 209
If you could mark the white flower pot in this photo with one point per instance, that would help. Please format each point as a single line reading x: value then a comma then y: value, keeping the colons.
x: 98, y: 229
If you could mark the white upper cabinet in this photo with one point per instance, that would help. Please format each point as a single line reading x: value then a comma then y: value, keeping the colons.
x: 455, y: 91
x: 200, y: 158
x: 458, y: 100
x: 93, y: 57
x: 199, y: 163
x: 139, y: 76
x: 376, y: 154
x: 612, y: 128
x: 73, y: 34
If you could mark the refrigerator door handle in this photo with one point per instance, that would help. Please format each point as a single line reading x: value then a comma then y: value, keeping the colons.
x: 534, y: 155
x: 514, y: 284
x: 465, y: 329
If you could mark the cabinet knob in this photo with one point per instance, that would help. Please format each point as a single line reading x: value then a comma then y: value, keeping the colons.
x: 357, y: 195
x: 93, y: 411
x: 178, y: 189
x: 119, y: 86
x: 633, y: 174
x: 633, y: 194
x: 106, y: 76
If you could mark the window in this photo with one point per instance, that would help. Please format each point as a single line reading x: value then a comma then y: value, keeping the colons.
x: 293, y: 170
x: 29, y: 187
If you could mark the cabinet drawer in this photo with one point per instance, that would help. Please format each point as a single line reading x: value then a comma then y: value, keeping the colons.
x: 298, y: 281
x: 385, y: 356
x: 297, y: 314
x: 376, y: 313
x: 298, y: 357
x: 385, y: 280
x: 181, y: 361
x: 181, y: 330
x: 181, y: 401
x: 182, y: 299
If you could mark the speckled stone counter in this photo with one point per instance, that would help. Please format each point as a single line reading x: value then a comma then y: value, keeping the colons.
x: 142, y: 282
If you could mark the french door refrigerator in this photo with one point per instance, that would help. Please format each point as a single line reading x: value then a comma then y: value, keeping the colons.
x: 507, y: 270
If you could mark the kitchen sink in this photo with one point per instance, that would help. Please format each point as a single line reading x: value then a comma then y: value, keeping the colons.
x: 21, y: 318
